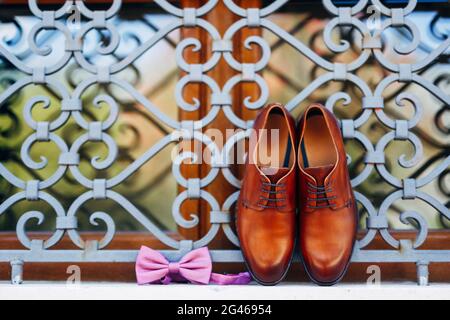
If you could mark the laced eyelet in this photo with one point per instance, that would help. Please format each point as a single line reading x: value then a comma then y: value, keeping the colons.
x: 322, y: 191
x: 272, y: 189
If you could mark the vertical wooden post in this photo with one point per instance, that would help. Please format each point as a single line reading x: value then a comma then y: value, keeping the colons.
x: 246, y: 56
x: 222, y: 19
x: 192, y: 91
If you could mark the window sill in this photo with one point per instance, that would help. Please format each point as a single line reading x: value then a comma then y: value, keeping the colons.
x: 98, y: 290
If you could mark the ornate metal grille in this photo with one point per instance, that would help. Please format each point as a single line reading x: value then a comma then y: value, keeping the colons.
x: 72, y: 109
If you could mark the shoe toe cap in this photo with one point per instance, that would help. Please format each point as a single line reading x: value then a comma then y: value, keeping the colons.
x: 327, y: 268
x: 269, y: 266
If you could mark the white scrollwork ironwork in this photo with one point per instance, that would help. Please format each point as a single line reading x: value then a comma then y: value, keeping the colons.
x: 221, y: 99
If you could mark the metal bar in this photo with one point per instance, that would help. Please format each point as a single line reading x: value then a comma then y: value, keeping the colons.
x: 231, y: 256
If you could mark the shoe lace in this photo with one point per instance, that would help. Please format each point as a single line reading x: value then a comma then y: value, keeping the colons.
x: 320, y: 193
x: 272, y: 202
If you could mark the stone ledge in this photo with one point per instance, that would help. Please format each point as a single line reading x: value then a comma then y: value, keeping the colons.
x: 93, y: 290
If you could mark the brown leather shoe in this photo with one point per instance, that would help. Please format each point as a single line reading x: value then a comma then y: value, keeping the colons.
x: 266, y: 206
x: 328, y: 213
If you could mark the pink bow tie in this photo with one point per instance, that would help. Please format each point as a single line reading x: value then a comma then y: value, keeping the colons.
x: 195, y: 267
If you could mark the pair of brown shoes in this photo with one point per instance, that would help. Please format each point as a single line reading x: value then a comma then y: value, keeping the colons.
x: 288, y: 169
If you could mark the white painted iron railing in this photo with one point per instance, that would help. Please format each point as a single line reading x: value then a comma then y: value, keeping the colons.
x: 222, y: 48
